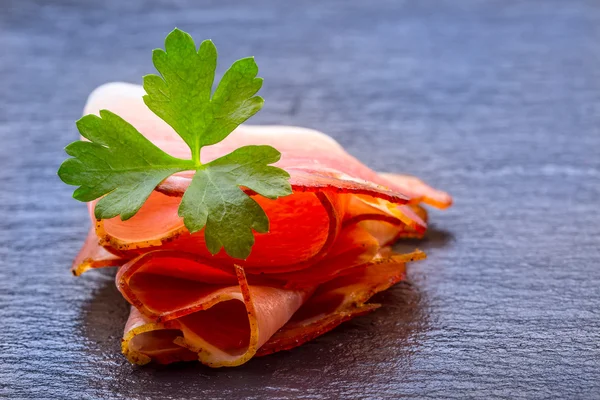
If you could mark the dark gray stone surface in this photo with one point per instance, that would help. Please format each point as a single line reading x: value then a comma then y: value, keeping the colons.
x: 497, y: 102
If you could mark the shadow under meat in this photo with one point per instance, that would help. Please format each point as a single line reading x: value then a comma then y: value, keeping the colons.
x: 435, y: 238
x: 353, y: 349
x: 104, y: 316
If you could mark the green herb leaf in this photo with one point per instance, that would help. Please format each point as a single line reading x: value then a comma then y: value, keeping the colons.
x: 182, y: 96
x: 117, y: 161
x: 120, y: 164
x: 215, y: 199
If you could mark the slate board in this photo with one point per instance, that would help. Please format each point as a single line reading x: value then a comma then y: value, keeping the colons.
x: 497, y: 102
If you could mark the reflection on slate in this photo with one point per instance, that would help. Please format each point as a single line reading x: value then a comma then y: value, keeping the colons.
x: 496, y: 102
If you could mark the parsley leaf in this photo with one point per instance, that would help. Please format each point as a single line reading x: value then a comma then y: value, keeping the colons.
x: 119, y: 163
x: 214, y: 197
x: 182, y: 96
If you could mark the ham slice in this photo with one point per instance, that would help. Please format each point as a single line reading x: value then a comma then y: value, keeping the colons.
x: 223, y: 323
x: 257, y: 320
x: 92, y: 255
x: 326, y: 253
x: 418, y: 190
x: 336, y: 301
x: 325, y: 180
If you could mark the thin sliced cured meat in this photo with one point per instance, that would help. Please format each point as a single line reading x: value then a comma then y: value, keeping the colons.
x: 326, y: 253
x: 145, y: 341
x: 164, y: 284
x: 355, y: 246
x: 334, y: 302
x: 385, y: 225
x: 221, y: 323
x: 323, y: 176
x: 324, y: 198
x: 418, y: 190
x: 387, y: 231
x: 231, y: 331
x: 300, y: 148
x: 279, y: 247
x: 92, y: 255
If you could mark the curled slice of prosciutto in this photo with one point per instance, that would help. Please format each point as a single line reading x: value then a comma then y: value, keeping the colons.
x: 228, y: 325
x: 220, y: 317
x: 326, y: 253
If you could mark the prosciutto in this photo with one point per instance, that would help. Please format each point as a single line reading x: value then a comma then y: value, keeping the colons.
x: 326, y: 253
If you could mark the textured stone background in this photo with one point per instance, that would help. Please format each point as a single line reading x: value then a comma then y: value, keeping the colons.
x: 497, y: 102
